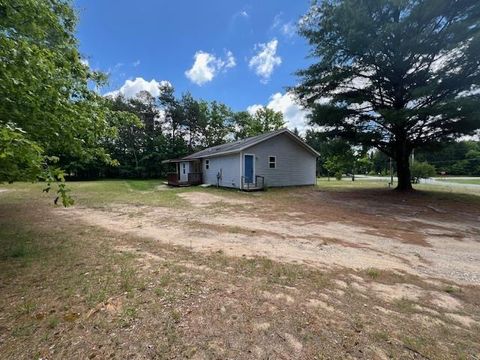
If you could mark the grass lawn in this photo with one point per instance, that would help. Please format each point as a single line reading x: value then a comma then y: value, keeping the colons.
x: 461, y: 181
x: 133, y: 271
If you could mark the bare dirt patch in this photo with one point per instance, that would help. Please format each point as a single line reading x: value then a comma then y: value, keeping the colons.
x: 119, y: 286
x: 318, y: 229
x: 203, y: 199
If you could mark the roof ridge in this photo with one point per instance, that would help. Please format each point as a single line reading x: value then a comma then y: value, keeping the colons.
x: 240, y: 145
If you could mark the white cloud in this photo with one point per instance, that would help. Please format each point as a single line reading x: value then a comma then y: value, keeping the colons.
x: 266, y: 59
x: 132, y: 87
x: 252, y: 109
x: 85, y: 62
x: 136, y: 63
x: 288, y: 29
x: 244, y: 14
x: 206, y: 66
x: 277, y: 21
x: 293, y: 114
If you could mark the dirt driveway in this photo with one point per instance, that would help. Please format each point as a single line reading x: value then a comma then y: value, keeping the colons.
x: 415, y: 235
x: 189, y: 274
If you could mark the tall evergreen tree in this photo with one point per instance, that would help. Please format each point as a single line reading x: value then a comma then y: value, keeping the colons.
x: 393, y: 74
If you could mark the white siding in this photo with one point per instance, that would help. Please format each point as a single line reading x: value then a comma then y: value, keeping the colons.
x: 228, y: 166
x: 294, y: 164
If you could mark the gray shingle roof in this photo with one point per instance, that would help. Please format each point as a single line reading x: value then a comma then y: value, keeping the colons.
x: 240, y: 145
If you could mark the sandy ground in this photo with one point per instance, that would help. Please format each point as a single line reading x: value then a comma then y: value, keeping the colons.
x: 313, y: 228
x: 103, y: 281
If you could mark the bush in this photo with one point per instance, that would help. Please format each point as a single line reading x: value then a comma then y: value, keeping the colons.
x: 338, y: 175
x: 422, y: 170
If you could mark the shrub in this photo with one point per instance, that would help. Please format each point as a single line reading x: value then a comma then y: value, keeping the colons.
x: 422, y: 170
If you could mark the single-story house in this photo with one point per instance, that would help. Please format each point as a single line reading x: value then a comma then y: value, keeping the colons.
x: 274, y: 159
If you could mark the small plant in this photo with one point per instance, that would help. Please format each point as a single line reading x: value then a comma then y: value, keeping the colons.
x: 130, y: 312
x: 381, y: 336
x: 405, y: 305
x: 53, y: 322
x: 373, y: 273
x: 27, y: 307
x: 451, y: 289
x: 127, y: 281
x: 176, y: 316
x: 165, y: 279
x: 18, y: 251
x: 159, y: 291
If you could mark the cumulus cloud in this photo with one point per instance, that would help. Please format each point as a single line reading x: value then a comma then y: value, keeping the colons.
x: 286, y: 28
x: 266, y: 60
x: 131, y: 88
x: 206, y: 66
x: 136, y: 63
x: 252, y: 109
x: 293, y: 114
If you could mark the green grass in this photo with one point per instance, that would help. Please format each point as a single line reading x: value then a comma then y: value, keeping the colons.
x: 461, y: 181
x: 346, y: 184
x: 373, y: 273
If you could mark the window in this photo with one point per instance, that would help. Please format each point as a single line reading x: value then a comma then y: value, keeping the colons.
x: 272, y: 162
x: 183, y: 168
x: 207, y: 164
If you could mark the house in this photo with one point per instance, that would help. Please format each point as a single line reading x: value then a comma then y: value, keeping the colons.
x: 278, y: 158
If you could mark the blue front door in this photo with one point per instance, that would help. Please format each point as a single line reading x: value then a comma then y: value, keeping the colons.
x: 248, y: 169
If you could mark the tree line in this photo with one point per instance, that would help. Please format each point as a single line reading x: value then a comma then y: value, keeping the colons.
x: 54, y: 124
x: 340, y: 158
x: 406, y: 80
x: 151, y: 129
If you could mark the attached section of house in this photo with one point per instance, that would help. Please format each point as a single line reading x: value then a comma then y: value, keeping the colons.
x: 274, y: 159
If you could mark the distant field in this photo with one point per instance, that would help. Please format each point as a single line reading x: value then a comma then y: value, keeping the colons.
x: 461, y: 181
x: 440, y: 187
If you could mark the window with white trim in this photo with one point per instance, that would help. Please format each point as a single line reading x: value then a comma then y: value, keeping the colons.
x: 272, y: 162
x: 184, y: 168
x: 207, y: 164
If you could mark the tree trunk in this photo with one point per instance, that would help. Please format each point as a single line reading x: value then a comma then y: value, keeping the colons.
x: 403, y: 167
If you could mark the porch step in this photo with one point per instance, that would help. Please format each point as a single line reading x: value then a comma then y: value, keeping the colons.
x: 253, y: 188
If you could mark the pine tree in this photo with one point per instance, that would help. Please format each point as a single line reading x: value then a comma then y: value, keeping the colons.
x: 393, y: 74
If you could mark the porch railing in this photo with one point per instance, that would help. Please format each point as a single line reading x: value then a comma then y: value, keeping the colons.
x: 172, y: 178
x: 195, y: 178
x: 258, y: 184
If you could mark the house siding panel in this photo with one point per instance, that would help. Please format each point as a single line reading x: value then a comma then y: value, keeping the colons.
x: 294, y: 164
x: 228, y: 165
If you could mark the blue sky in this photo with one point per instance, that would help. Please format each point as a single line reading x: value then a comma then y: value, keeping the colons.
x: 240, y: 53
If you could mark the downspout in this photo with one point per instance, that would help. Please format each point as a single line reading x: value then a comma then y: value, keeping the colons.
x: 241, y: 171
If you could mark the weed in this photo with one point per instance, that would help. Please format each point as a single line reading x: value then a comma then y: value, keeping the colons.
x: 405, y: 305
x: 373, y: 273
x: 53, y: 322
x: 23, y: 330
x: 27, y: 307
x: 451, y: 289
x: 380, y: 336
x: 127, y: 278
